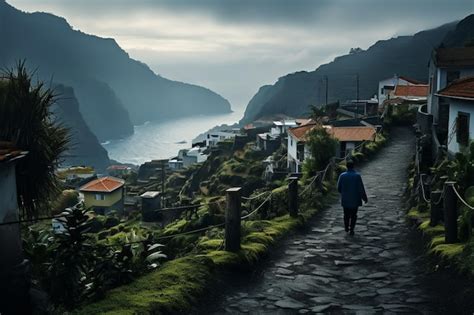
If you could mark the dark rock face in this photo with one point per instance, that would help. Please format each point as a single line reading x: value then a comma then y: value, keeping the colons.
x: 293, y: 93
x: 85, y: 148
x: 105, y: 78
x: 462, y: 35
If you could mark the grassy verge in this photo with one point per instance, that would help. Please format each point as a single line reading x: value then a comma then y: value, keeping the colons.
x: 434, y: 235
x: 460, y: 256
x: 179, y: 283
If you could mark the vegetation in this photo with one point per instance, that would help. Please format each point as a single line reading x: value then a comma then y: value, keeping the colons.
x: 72, y: 266
x: 461, y: 170
x: 322, y: 148
x: 27, y: 121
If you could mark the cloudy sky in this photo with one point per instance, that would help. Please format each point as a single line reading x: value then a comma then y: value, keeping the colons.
x: 234, y: 47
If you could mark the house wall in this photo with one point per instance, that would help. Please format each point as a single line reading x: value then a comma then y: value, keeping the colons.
x: 456, y: 106
x: 10, y: 250
x: 382, y: 94
x: 438, y: 81
x: 110, y: 200
x: 292, y: 149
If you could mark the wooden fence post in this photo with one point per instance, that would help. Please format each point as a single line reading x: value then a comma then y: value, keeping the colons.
x: 293, y: 196
x: 232, y: 220
x: 450, y: 214
x: 436, y: 207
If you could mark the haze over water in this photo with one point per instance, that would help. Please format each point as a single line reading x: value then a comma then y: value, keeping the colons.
x: 159, y: 140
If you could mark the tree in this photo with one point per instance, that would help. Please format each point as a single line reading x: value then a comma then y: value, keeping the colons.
x: 27, y: 122
x: 322, y: 147
x: 317, y: 112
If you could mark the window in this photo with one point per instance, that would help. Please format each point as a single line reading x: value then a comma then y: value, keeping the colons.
x: 462, y: 128
x: 291, y: 141
x: 381, y: 91
x: 451, y: 76
x: 99, y: 197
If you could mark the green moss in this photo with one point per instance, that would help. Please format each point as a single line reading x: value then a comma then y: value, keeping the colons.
x: 223, y: 258
x: 437, y: 240
x: 431, y: 230
x: 175, y: 227
x: 171, y: 289
x: 448, y: 251
x: 413, y: 213
x: 210, y: 244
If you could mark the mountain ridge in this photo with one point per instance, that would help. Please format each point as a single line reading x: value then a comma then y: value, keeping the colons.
x: 293, y: 93
x: 135, y: 93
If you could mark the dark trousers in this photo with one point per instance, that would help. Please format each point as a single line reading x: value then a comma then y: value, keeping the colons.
x: 350, y: 218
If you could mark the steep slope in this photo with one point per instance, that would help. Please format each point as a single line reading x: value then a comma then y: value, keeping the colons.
x: 96, y: 68
x: 85, y: 148
x: 462, y: 35
x: 293, y: 93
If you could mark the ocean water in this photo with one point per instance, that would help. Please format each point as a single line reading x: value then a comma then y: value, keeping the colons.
x: 162, y: 140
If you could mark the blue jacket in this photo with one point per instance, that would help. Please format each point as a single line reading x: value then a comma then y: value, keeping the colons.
x: 352, y: 189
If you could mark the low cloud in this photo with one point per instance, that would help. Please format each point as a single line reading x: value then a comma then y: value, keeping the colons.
x: 234, y: 47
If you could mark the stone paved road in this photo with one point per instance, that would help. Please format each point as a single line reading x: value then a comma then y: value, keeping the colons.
x: 327, y: 271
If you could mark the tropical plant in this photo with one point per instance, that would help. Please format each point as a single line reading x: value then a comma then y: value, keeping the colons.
x: 27, y: 122
x: 71, y: 266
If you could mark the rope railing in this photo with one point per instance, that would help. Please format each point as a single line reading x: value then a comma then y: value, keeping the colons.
x: 257, y: 208
x: 255, y: 197
x: 461, y: 199
x: 421, y: 183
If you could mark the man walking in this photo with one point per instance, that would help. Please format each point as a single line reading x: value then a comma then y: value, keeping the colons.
x: 352, y: 191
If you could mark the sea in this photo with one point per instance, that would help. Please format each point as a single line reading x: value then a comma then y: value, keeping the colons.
x: 163, y: 139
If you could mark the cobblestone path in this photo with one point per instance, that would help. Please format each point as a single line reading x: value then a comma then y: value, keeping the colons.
x: 325, y: 270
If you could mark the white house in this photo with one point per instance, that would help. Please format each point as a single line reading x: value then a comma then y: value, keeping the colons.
x: 348, y: 136
x: 297, y: 149
x: 281, y: 127
x: 459, y: 96
x: 192, y: 156
x: 387, y: 86
x: 447, y: 65
x: 212, y: 138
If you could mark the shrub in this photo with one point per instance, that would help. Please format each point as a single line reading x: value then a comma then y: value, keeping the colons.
x: 322, y: 148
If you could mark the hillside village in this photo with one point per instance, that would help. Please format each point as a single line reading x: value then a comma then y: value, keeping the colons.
x: 158, y: 233
x: 277, y: 150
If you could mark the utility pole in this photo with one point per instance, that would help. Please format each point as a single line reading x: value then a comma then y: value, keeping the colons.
x: 357, y: 80
x: 327, y: 87
x: 357, y: 97
x: 162, y: 183
x: 319, y: 91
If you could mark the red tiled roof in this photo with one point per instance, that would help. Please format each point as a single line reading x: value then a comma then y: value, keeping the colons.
x: 355, y: 134
x: 462, y: 88
x: 410, y: 80
x: 300, y: 133
x: 455, y: 56
x: 420, y: 90
x: 103, y: 184
x: 8, y: 152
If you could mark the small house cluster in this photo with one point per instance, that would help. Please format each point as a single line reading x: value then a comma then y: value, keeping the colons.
x: 447, y: 119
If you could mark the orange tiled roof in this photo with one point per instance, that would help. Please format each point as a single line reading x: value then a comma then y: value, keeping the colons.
x: 8, y: 152
x: 410, y: 80
x: 462, y: 88
x: 103, y: 184
x: 355, y: 134
x: 420, y: 90
x: 300, y: 133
